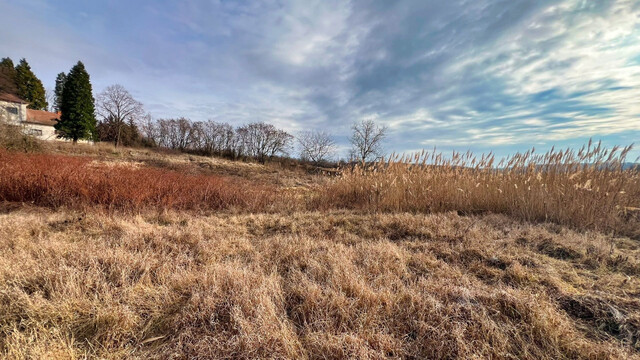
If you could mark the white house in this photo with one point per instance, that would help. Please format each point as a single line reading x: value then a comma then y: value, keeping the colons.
x: 12, y: 109
x: 37, y: 123
x: 40, y: 124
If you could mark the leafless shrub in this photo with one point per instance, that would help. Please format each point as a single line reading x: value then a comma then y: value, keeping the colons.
x: 13, y: 137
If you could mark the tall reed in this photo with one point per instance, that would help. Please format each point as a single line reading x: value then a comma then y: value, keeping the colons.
x: 588, y: 188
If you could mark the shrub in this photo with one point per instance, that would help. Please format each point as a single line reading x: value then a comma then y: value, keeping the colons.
x: 12, y: 137
x: 55, y: 180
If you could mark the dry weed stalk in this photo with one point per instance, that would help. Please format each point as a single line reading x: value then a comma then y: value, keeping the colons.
x: 588, y: 189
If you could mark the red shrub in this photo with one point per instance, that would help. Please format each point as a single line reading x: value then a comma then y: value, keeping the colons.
x: 56, y: 180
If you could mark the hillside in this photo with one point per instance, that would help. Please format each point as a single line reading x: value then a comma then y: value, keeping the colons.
x: 228, y: 259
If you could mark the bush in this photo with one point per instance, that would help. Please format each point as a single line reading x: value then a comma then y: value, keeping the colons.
x: 12, y: 137
x: 55, y: 180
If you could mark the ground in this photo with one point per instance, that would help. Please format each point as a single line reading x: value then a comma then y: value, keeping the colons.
x: 77, y: 283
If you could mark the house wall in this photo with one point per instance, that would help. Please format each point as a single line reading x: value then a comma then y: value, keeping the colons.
x: 41, y: 132
x: 13, y: 117
x: 48, y: 133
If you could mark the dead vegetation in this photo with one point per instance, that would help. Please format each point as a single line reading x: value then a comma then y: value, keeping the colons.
x: 58, y: 180
x: 12, y: 137
x: 587, y: 189
x: 141, y: 254
x: 312, y: 285
x: 278, y: 173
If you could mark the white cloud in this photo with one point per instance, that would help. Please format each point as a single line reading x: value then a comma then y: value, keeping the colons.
x: 465, y: 73
x: 580, y: 56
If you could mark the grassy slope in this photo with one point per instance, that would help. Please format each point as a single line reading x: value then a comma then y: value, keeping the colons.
x: 287, y: 176
x: 334, y: 284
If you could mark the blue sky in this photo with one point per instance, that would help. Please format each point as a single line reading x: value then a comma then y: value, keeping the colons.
x: 501, y: 75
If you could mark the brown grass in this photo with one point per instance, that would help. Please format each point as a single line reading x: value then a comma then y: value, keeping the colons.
x: 280, y: 174
x: 57, y: 180
x: 312, y: 285
x: 587, y: 189
x: 173, y: 261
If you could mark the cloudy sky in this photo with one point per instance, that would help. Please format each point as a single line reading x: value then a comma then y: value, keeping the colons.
x: 501, y: 75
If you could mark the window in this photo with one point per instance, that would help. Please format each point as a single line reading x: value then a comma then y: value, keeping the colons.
x: 35, y: 132
x: 12, y: 110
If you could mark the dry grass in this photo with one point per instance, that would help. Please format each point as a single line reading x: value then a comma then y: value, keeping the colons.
x: 275, y: 173
x: 57, y: 180
x: 119, y: 259
x: 587, y: 189
x: 312, y: 285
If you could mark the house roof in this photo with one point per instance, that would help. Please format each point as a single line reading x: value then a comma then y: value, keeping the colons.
x: 11, y: 98
x: 42, y: 117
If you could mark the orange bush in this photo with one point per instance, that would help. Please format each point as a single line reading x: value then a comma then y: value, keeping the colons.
x: 56, y: 180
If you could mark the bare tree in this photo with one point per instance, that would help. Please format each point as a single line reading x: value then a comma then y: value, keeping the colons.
x: 50, y: 96
x: 366, y: 140
x: 176, y: 134
x: 316, y: 146
x: 227, y: 140
x: 211, y: 138
x: 262, y: 141
x: 199, y: 138
x: 257, y: 140
x: 149, y: 129
x: 117, y: 106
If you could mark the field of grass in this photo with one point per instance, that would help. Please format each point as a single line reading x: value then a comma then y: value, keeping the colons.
x: 138, y: 254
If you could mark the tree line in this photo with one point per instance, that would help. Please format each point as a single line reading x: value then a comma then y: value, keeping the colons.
x: 116, y: 116
x: 261, y: 141
x: 258, y: 140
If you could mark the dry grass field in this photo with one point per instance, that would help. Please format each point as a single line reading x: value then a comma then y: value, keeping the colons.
x: 138, y: 254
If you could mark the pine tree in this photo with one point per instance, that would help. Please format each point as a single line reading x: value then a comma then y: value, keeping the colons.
x: 60, y: 80
x: 8, y: 77
x: 78, y: 120
x: 30, y: 87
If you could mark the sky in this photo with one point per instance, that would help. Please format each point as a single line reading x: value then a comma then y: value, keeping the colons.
x: 480, y: 75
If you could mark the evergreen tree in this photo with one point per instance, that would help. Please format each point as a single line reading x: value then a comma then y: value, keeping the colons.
x: 60, y: 80
x: 30, y: 87
x: 8, y: 77
x: 78, y: 120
